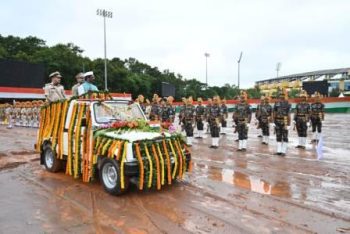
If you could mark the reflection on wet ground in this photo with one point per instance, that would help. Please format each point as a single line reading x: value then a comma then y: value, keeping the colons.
x: 227, y: 192
x: 239, y: 179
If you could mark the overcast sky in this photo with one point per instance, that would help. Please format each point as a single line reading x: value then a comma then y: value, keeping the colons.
x: 302, y: 35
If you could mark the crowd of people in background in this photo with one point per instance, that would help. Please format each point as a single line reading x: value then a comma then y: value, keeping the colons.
x: 24, y: 114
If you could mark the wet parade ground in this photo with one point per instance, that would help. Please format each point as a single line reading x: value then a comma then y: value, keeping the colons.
x: 227, y: 192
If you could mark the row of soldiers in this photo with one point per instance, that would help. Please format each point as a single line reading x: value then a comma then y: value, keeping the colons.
x: 25, y: 114
x: 215, y: 113
x: 161, y: 109
x: 279, y: 116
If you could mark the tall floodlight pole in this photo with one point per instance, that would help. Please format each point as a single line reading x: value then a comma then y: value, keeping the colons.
x: 104, y: 14
x: 239, y: 62
x: 278, y: 67
x: 206, y: 68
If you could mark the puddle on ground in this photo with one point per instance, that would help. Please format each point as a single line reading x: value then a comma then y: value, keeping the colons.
x: 252, y: 183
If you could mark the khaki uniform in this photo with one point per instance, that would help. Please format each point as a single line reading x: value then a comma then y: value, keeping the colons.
x: 54, y: 93
x: 75, y: 91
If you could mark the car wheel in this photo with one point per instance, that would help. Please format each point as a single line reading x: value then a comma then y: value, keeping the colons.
x: 51, y: 162
x: 110, y: 177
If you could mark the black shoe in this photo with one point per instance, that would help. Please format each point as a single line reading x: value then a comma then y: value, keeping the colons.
x: 278, y: 153
x: 259, y: 135
x: 302, y: 147
x: 237, y: 140
x: 212, y: 146
x: 197, y: 137
x: 239, y: 150
x: 298, y: 146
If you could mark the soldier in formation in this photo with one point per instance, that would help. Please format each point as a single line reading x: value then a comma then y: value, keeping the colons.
x: 8, y: 115
x: 171, y: 109
x: 155, y: 108
x: 224, y: 116
x: 317, y: 116
x: 200, y: 115
x: 281, y: 118
x: 214, y: 117
x: 188, y: 120
x: 301, y: 119
x: 209, y: 104
x: 242, y: 117
x: 264, y: 116
x: 257, y: 113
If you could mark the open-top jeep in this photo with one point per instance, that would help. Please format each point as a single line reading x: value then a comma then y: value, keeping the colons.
x: 94, y: 133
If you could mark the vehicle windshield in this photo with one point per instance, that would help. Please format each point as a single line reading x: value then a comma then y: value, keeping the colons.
x: 106, y: 112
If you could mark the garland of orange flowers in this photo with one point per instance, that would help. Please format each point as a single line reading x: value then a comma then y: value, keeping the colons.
x: 41, y: 128
x: 122, y: 182
x: 157, y: 166
x: 102, y: 143
x: 161, y: 163
x: 70, y: 140
x: 111, y: 148
x: 183, y: 158
x: 150, y: 166
x: 61, y: 129
x: 119, y: 149
x: 175, y: 158
x: 180, y: 159
x: 167, y: 161
x: 105, y: 146
x: 52, y: 119
x: 47, y: 121
x: 56, y: 124
x: 139, y: 158
x: 77, y: 141
x: 114, y: 148
x: 87, y: 150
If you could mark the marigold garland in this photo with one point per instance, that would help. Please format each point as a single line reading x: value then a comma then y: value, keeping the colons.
x: 77, y: 141
x: 180, y: 159
x: 161, y: 163
x: 167, y: 161
x: 139, y: 158
x: 61, y: 129
x: 175, y: 159
x: 122, y: 182
x: 157, y: 165
x: 150, y: 166
x: 70, y: 140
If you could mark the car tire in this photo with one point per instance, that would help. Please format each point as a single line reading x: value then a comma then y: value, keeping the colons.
x: 51, y: 162
x: 110, y: 177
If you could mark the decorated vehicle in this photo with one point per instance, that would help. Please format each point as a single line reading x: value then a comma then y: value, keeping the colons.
x: 94, y: 135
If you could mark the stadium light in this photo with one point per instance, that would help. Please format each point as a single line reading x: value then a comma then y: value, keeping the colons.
x: 206, y: 67
x: 239, y: 62
x: 105, y: 14
x: 278, y: 67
